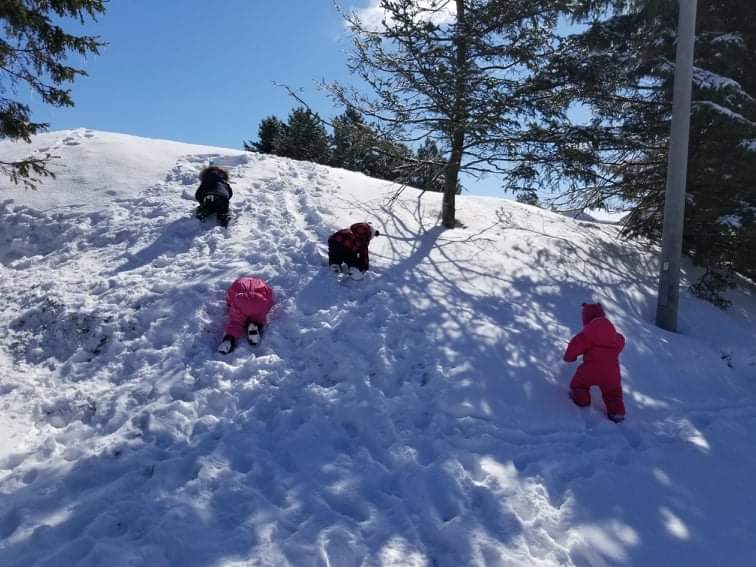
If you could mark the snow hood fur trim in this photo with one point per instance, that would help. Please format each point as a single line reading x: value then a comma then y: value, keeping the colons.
x: 213, y: 171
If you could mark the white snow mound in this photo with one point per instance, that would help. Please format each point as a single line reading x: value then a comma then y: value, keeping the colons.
x: 418, y: 417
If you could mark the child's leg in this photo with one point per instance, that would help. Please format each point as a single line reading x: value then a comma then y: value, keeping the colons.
x: 202, y: 212
x: 338, y: 255
x: 351, y: 259
x: 237, y: 322
x: 334, y: 254
x: 581, y: 396
x: 615, y: 407
x: 223, y: 215
x: 580, y: 392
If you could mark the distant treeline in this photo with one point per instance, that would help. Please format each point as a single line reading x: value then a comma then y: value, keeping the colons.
x: 352, y: 144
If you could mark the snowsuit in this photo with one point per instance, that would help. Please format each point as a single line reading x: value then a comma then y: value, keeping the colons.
x: 600, y: 345
x: 214, y: 194
x: 350, y: 246
x: 249, y: 300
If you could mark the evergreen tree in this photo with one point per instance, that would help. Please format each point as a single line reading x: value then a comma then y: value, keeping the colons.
x: 358, y: 146
x: 35, y: 52
x: 270, y: 131
x: 621, y: 69
x: 454, y: 71
x: 352, y: 141
x: 528, y: 198
x: 304, y: 138
x: 388, y: 159
x: 429, y: 171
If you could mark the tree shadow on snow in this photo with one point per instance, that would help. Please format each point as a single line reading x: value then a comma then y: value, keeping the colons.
x: 374, y: 423
x: 500, y: 392
x: 174, y: 238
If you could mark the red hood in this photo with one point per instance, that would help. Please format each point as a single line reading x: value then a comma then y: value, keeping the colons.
x: 362, y: 230
x: 601, y: 333
x: 592, y: 311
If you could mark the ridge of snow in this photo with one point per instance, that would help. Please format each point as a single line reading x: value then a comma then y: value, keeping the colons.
x: 92, y: 167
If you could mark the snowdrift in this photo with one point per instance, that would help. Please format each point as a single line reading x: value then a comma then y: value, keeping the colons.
x: 419, y: 417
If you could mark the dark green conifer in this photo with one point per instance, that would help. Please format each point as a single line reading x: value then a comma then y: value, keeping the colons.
x: 619, y: 70
x: 304, y: 138
x: 269, y: 133
x: 35, y: 53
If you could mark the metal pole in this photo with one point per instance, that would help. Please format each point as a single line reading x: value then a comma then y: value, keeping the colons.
x: 677, y: 165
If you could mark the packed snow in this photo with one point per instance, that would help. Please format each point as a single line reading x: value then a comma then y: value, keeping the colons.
x: 417, y: 417
x: 731, y: 221
x: 705, y: 79
x: 735, y: 38
x: 722, y: 110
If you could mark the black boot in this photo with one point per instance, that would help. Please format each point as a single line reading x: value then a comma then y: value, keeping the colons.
x: 254, y: 334
x: 227, y: 345
x: 202, y: 212
x: 224, y: 218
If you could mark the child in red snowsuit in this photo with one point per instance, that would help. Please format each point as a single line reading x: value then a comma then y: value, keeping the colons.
x: 600, y: 345
x: 350, y: 246
x: 249, y: 300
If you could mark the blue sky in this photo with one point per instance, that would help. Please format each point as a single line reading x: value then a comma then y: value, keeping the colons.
x: 204, y: 72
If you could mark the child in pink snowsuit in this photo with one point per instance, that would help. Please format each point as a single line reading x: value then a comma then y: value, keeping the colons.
x: 600, y: 345
x: 249, y: 300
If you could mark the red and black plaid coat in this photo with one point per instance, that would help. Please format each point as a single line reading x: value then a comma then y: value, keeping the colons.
x: 355, y: 238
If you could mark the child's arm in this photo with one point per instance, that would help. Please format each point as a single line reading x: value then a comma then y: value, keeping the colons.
x: 620, y: 342
x: 577, y: 346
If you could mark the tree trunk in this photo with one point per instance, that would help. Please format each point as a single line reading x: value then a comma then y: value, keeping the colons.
x: 458, y: 122
x: 448, y: 208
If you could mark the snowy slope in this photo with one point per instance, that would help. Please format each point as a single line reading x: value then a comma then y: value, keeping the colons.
x: 417, y: 418
x: 92, y: 167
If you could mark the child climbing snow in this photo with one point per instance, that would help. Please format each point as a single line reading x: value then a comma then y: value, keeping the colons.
x: 600, y: 345
x: 214, y: 194
x: 249, y: 300
x: 350, y: 246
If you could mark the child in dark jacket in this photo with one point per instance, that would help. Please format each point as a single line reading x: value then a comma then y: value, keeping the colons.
x: 249, y: 300
x: 350, y: 246
x: 214, y: 194
x: 600, y: 345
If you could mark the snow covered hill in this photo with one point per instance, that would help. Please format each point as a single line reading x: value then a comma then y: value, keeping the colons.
x: 419, y: 417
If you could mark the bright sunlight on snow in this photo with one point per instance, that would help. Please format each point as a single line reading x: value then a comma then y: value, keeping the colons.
x: 417, y: 417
